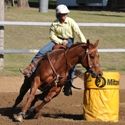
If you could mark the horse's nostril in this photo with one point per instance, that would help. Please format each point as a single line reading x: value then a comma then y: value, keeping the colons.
x: 100, y: 74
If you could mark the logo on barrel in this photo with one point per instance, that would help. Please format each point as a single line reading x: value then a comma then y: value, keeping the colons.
x: 100, y: 82
x: 112, y: 82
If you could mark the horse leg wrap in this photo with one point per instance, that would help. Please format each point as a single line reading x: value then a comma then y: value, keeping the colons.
x: 23, y: 114
x: 19, y: 117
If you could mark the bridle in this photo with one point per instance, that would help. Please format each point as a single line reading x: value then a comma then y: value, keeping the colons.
x: 98, y: 77
x: 85, y: 55
x: 90, y: 64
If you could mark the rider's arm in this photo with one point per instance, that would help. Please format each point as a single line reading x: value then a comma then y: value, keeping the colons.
x: 53, y: 36
x: 78, y: 32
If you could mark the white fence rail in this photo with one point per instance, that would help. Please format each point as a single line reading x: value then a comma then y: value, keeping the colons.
x: 31, y: 51
x: 28, y: 51
x: 21, y: 23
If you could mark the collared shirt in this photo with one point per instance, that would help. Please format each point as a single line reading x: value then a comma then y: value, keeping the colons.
x: 65, y: 30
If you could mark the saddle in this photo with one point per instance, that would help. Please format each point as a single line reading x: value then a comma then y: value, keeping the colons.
x: 59, y: 46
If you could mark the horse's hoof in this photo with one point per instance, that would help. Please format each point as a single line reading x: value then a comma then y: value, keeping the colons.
x: 18, y: 118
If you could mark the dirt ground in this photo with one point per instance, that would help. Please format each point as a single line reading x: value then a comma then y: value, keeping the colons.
x: 62, y: 110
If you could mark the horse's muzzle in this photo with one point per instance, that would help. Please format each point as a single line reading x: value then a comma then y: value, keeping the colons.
x: 93, y: 73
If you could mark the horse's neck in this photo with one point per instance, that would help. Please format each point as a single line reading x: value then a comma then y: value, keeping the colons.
x: 73, y: 55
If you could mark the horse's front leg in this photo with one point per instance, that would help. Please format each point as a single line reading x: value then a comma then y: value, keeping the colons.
x: 30, y: 98
x: 51, y: 94
x: 40, y: 96
x: 23, y: 90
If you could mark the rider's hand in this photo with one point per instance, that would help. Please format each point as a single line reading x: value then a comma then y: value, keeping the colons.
x: 65, y: 42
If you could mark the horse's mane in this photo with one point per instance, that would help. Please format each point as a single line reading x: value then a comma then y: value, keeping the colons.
x: 88, y: 44
x: 78, y: 45
x: 59, y: 51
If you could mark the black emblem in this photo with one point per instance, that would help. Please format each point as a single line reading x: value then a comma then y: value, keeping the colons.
x: 100, y: 82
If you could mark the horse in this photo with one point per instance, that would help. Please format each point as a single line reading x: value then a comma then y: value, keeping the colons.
x: 52, y: 71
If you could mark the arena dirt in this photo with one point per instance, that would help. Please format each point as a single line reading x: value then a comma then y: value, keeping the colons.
x: 62, y: 110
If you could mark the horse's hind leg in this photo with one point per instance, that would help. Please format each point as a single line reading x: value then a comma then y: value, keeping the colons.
x: 37, y: 97
x: 31, y: 112
x: 51, y: 94
x: 23, y: 90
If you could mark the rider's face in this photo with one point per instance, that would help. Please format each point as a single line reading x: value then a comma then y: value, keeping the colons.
x: 61, y: 17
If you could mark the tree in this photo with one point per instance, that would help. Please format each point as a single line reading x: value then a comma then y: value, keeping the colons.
x: 9, y: 3
x: 22, y: 3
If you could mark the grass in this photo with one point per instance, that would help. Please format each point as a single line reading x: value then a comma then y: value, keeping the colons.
x: 20, y: 37
x: 32, y: 14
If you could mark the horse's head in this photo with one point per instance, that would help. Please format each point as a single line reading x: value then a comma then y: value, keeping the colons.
x: 91, y: 59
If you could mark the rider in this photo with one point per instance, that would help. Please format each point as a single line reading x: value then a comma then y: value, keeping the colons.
x: 62, y: 31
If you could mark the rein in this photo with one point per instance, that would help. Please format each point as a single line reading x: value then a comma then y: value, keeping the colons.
x: 57, y: 75
x: 90, y: 65
x: 84, y: 57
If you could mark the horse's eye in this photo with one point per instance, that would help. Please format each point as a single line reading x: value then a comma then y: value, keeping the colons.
x: 97, y: 54
x: 92, y: 55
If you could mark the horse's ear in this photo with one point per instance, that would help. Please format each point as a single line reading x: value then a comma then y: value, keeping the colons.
x: 88, y: 41
x: 96, y: 43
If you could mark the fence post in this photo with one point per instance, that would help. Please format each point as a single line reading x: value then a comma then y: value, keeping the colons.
x: 1, y: 35
x: 43, y: 6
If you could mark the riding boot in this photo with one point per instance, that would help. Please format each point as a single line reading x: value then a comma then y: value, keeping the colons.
x: 67, y: 88
x: 28, y: 70
x: 31, y: 67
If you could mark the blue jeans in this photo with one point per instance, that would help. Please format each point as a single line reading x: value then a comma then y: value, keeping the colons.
x: 48, y: 47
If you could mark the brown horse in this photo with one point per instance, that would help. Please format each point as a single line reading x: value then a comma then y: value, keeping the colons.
x: 52, y: 71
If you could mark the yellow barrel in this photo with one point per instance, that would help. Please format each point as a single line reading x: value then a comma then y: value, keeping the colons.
x: 101, y: 97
